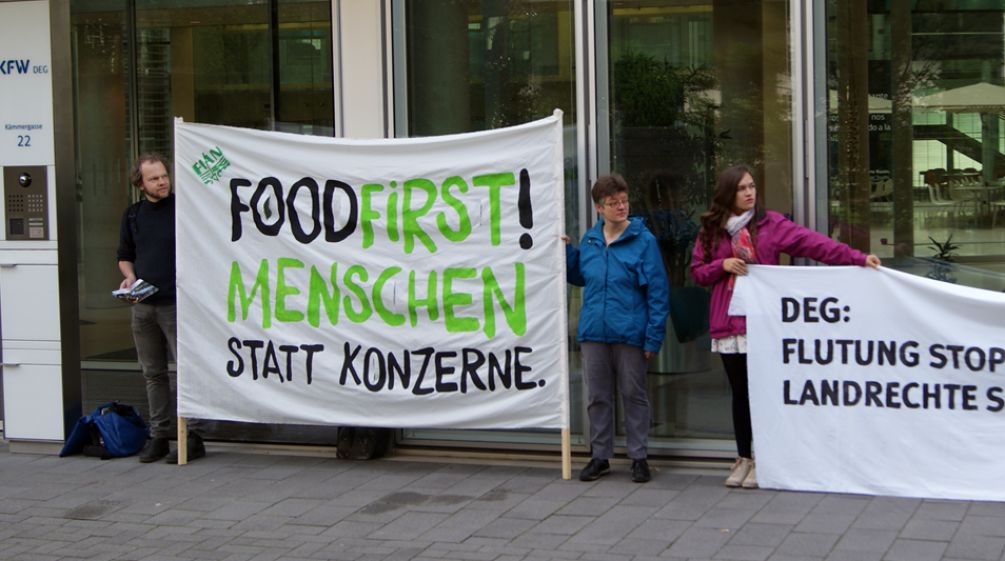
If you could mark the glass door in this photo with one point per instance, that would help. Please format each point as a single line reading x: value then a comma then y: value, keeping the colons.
x: 685, y: 89
x: 470, y: 65
x: 264, y: 64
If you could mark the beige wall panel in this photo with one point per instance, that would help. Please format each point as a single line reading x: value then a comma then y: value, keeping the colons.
x: 361, y: 76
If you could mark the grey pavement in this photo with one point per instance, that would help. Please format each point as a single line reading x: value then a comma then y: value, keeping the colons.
x: 238, y: 506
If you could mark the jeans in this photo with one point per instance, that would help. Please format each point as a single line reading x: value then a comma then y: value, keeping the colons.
x: 605, y: 365
x: 155, y: 334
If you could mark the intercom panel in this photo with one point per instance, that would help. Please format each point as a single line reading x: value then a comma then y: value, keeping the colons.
x: 26, y: 202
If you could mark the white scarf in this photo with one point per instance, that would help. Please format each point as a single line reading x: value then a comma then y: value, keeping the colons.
x: 738, y: 221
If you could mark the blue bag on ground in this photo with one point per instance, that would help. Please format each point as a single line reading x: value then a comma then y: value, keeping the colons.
x: 113, y: 430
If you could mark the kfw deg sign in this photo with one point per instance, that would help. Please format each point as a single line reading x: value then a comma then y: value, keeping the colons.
x: 26, y: 104
x: 16, y: 66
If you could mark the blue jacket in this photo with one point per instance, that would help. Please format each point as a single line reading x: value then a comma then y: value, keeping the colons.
x: 626, y: 294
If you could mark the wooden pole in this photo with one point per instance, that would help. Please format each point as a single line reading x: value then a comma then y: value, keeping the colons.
x: 563, y: 298
x: 182, y: 441
x: 566, y: 454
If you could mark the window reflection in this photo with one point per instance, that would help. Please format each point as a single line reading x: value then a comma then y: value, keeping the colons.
x: 472, y: 65
x: 915, y: 133
x: 305, y: 67
x: 689, y: 88
x: 209, y: 62
x: 104, y: 151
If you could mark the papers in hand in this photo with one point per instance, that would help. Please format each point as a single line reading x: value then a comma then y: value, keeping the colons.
x: 140, y: 290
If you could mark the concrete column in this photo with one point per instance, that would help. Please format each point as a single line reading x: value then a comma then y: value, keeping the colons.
x: 360, y: 68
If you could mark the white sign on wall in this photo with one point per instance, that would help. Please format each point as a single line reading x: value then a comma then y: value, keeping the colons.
x: 396, y: 283
x: 877, y: 382
x: 26, y: 134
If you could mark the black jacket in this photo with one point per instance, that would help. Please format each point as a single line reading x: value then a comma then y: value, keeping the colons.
x: 146, y: 238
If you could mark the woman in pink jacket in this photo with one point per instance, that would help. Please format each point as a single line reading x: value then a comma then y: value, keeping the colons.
x: 736, y: 230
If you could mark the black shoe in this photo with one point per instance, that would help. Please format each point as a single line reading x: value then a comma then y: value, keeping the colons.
x: 196, y: 450
x: 153, y: 450
x: 640, y: 471
x: 594, y: 470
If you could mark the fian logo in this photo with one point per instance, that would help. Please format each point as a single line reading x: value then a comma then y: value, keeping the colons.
x: 14, y: 66
x: 209, y: 167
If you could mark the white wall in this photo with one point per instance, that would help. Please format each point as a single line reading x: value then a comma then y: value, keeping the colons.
x: 362, y: 107
x: 29, y: 285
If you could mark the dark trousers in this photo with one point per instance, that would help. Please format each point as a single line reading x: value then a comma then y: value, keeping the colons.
x: 736, y: 371
x: 606, y: 366
x: 155, y: 334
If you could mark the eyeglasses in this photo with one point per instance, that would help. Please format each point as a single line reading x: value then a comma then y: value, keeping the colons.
x: 616, y: 204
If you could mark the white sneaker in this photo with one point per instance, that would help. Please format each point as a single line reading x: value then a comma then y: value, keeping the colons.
x: 738, y: 473
x: 750, y: 482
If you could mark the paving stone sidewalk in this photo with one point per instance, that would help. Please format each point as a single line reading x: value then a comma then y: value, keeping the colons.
x: 233, y: 506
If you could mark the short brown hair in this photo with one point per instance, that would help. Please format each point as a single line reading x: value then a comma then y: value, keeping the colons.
x: 136, y: 174
x: 607, y: 185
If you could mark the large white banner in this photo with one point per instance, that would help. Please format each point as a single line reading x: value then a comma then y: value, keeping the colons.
x: 877, y: 382
x: 395, y: 283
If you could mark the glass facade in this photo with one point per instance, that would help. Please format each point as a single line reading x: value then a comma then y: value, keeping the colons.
x: 906, y: 100
x: 140, y: 63
x: 914, y: 144
x: 684, y: 90
x: 470, y: 65
x: 104, y: 140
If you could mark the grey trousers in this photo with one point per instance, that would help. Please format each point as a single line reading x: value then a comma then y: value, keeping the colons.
x: 605, y: 365
x: 155, y: 332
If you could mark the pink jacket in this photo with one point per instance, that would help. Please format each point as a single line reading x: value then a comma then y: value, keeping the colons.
x: 775, y: 235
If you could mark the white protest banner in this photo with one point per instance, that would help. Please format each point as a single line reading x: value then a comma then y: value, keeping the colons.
x: 390, y: 283
x: 877, y: 382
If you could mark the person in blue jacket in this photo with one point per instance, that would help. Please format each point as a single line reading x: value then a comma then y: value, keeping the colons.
x: 621, y: 324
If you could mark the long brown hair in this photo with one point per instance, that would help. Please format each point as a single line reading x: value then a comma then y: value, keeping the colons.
x: 713, y: 221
